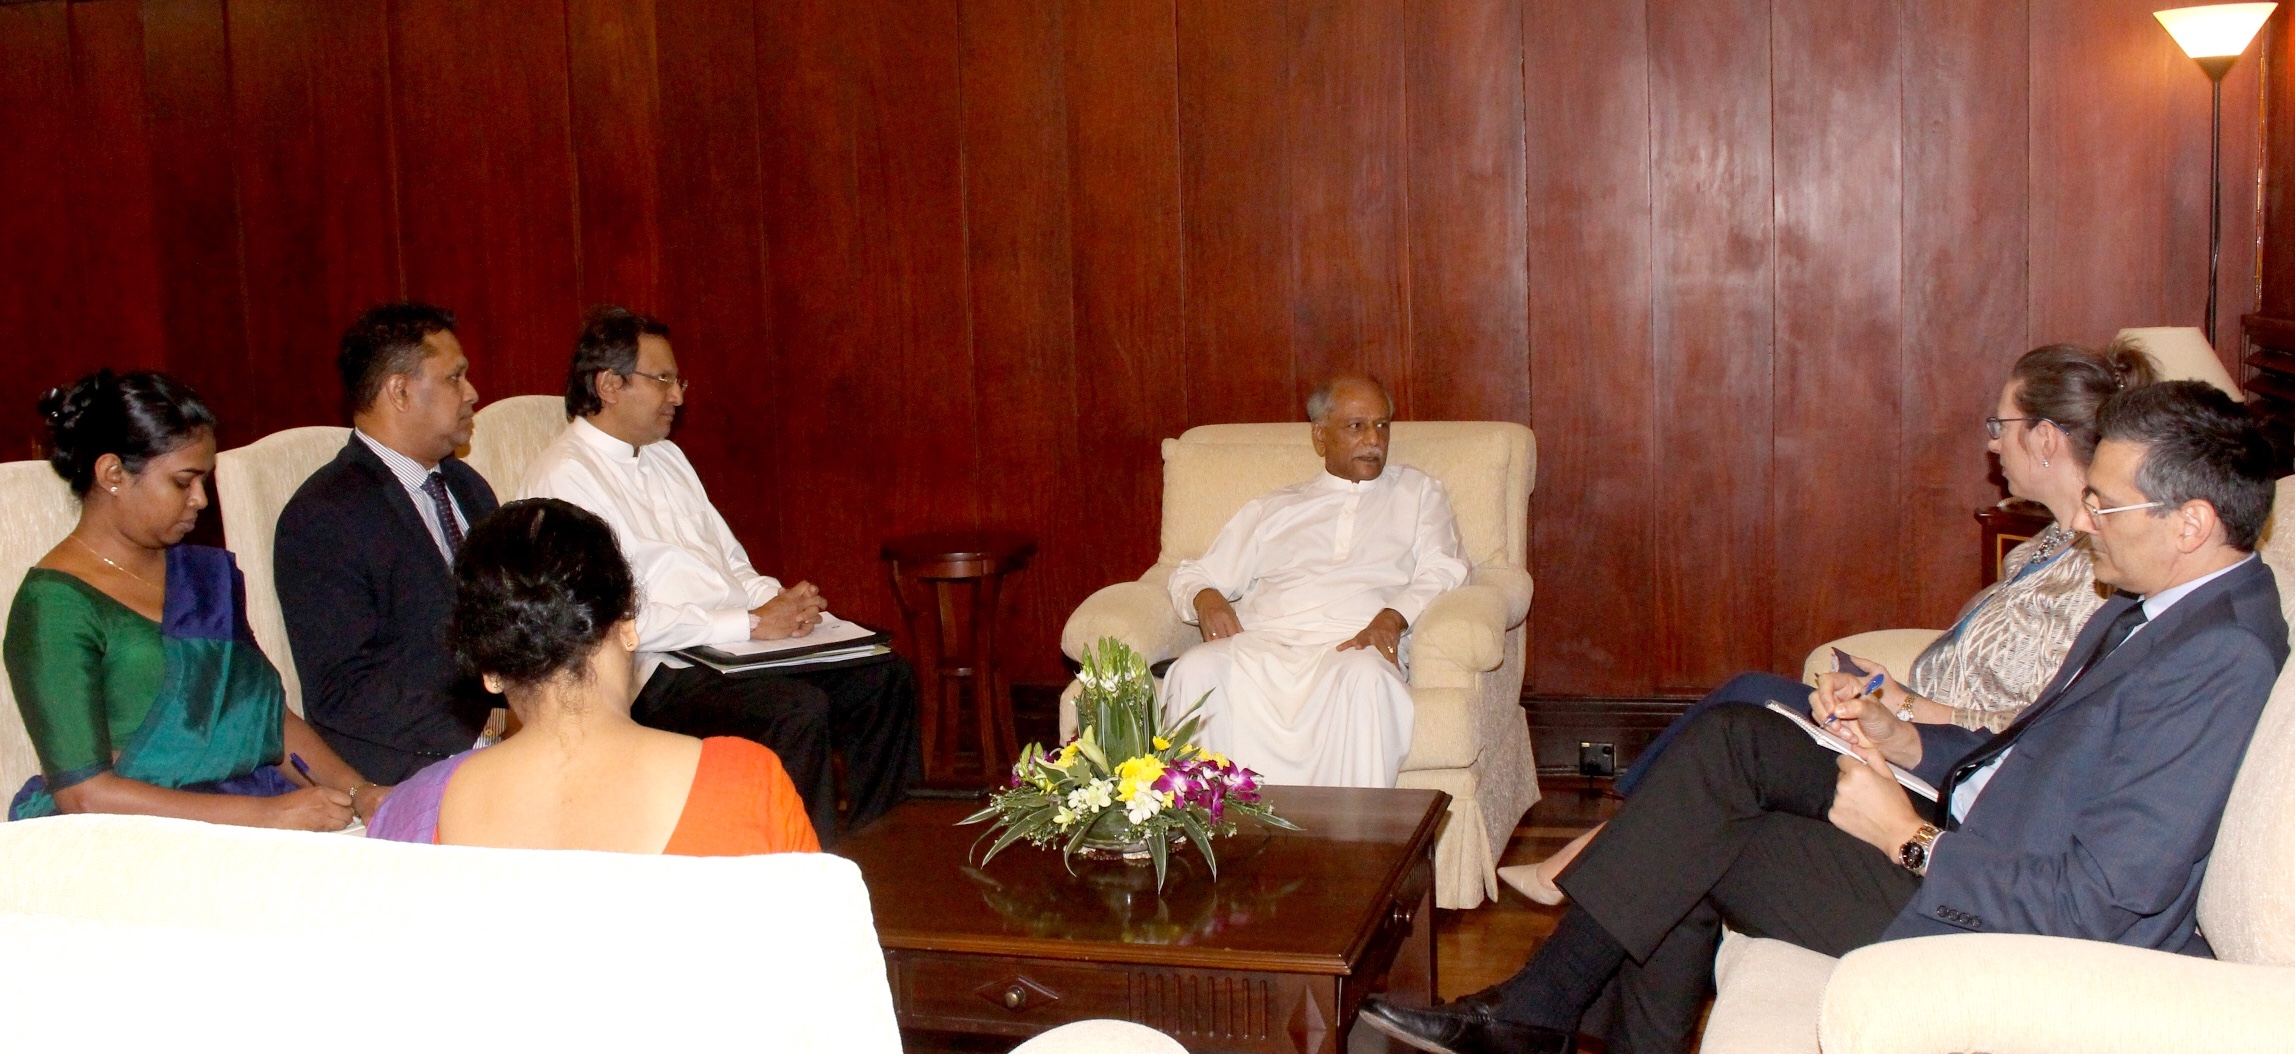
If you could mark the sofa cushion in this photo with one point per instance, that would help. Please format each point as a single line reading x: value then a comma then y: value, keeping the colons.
x: 726, y: 950
x: 1766, y: 997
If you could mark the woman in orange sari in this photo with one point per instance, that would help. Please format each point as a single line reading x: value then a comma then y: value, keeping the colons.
x: 543, y: 615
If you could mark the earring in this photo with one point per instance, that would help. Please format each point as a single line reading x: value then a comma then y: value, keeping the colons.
x: 115, y: 490
x: 2044, y: 462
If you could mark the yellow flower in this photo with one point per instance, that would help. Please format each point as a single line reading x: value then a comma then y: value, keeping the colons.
x: 1162, y: 744
x: 1137, y: 775
x: 1067, y: 757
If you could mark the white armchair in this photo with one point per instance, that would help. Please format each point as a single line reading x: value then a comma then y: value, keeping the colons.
x: 506, y: 436
x: 2052, y: 993
x: 1470, y: 739
x: 36, y: 511
x: 253, y: 484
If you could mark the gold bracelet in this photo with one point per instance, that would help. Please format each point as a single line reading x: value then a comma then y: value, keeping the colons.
x: 356, y: 788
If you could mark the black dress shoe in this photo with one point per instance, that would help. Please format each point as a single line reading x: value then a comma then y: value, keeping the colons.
x: 1465, y: 1026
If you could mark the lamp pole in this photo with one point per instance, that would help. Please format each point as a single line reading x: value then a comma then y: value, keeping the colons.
x: 2216, y: 67
x: 2214, y: 35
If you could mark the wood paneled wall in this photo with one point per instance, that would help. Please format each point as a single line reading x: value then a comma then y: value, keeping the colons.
x: 1752, y: 269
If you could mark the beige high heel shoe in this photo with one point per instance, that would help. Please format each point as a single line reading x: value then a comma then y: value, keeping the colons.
x: 1536, y: 881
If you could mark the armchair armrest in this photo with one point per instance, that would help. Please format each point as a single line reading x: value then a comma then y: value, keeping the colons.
x: 1466, y: 627
x: 1513, y: 583
x: 1999, y: 991
x: 1137, y: 613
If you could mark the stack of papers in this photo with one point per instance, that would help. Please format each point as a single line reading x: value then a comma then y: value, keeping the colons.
x: 1832, y: 741
x: 833, y: 641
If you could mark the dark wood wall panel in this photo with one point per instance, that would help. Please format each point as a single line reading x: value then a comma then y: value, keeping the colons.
x: 486, y: 181
x: 1836, y: 104
x: 1234, y: 139
x: 1712, y: 319
x: 310, y: 94
x: 115, y: 293
x: 1022, y: 294
x: 712, y: 245
x: 615, y: 106
x: 187, y: 94
x: 1122, y: 110
x: 1347, y: 141
x: 1964, y: 163
x: 1753, y: 269
x: 1469, y: 232
x: 1590, y: 351
x: 36, y: 81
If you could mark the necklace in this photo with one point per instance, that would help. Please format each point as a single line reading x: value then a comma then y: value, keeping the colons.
x: 108, y: 563
x: 2053, y: 540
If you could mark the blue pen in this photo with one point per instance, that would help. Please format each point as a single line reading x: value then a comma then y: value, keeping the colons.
x: 297, y: 760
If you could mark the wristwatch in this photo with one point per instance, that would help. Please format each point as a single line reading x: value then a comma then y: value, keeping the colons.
x: 1904, y: 713
x: 1914, y: 853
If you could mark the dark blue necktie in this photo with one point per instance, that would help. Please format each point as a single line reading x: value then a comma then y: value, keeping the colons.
x: 435, y: 486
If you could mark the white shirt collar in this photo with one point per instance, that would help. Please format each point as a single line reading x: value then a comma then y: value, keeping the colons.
x: 2157, y: 604
x: 410, y: 472
x: 604, y: 443
x: 1327, y: 480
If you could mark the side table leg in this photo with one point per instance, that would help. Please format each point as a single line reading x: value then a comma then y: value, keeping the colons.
x: 924, y: 640
x: 997, y: 749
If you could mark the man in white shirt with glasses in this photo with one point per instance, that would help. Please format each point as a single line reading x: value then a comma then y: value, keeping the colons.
x: 698, y: 588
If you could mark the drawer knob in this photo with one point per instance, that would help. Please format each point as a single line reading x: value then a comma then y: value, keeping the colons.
x: 1015, y: 997
x: 1401, y: 914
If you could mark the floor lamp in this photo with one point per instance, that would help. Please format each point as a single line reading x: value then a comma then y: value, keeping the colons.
x: 2214, y: 36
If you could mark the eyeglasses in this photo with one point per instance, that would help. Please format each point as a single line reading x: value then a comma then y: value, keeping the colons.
x: 1992, y: 425
x: 2089, y: 503
x: 671, y: 379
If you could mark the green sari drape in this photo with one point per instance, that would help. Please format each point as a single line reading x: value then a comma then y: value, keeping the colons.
x: 198, y: 708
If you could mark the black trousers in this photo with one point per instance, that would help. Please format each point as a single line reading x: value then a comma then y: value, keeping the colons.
x: 1729, y: 826
x: 865, y: 714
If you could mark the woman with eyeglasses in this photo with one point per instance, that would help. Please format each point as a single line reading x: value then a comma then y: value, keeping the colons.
x: 2012, y: 635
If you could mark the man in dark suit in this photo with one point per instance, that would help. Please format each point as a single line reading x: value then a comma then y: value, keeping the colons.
x: 366, y: 549
x: 2092, y: 816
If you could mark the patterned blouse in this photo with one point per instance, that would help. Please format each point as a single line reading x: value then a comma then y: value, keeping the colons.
x: 2011, y: 637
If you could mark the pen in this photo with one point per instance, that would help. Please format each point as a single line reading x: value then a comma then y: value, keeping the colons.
x: 1871, y: 686
x: 305, y: 769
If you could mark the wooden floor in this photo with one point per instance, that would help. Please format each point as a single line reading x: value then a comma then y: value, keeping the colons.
x: 1477, y: 948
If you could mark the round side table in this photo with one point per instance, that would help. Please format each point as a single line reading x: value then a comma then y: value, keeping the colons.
x: 956, y: 638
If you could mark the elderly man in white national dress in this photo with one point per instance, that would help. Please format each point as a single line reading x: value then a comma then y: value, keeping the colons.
x: 1306, y: 600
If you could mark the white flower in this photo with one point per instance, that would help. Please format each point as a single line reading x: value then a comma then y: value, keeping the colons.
x: 1098, y: 794
x: 1144, y: 806
x: 1063, y: 818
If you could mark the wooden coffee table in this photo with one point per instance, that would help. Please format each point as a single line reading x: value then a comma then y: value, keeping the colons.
x: 1275, y: 955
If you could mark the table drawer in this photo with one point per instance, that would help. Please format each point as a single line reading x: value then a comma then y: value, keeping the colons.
x: 1206, y: 1010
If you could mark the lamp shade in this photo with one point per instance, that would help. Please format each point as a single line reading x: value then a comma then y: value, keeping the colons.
x: 2215, y: 30
x: 2182, y: 354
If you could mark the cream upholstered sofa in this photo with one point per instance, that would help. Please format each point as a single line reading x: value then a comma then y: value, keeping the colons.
x: 1470, y: 738
x: 508, y: 434
x: 253, y: 484
x: 36, y: 511
x: 2008, y: 992
x: 201, y: 934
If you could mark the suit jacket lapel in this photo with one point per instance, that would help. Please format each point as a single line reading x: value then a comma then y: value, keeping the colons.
x: 394, y: 495
x: 2059, y: 689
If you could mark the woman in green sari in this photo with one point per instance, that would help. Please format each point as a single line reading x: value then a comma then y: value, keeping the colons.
x: 139, y: 681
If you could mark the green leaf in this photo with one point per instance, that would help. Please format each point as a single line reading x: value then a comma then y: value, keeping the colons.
x: 1159, y: 850
x: 1201, y: 838
x: 1090, y: 749
x: 1083, y: 829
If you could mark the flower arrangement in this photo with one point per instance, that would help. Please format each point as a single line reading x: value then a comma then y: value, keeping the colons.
x: 1124, y: 782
